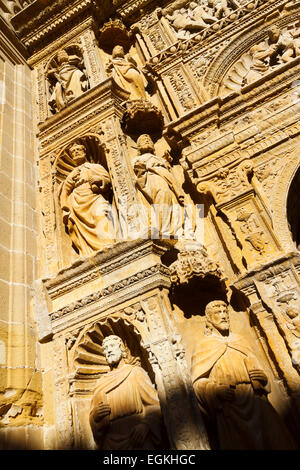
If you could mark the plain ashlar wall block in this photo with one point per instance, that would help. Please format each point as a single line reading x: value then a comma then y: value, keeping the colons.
x: 18, y: 346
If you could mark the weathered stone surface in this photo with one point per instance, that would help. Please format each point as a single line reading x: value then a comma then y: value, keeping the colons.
x: 149, y: 166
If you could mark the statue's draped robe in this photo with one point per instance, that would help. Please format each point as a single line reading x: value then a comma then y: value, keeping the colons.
x: 133, y: 400
x: 160, y: 188
x: 127, y: 76
x: 87, y: 214
x: 249, y: 421
x: 71, y: 83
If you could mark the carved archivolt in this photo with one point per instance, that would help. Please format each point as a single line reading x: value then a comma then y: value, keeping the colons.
x: 280, y: 197
x: 229, y: 70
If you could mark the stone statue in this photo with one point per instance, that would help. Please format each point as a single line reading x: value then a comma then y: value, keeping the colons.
x: 160, y: 188
x: 279, y: 48
x: 232, y: 388
x: 221, y: 8
x: 71, y: 82
x: 127, y: 74
x: 84, y: 199
x: 125, y: 412
x: 201, y: 12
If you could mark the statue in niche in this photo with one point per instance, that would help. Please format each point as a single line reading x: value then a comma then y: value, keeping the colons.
x: 156, y: 182
x: 70, y: 80
x: 125, y: 412
x: 279, y: 48
x: 85, y: 201
x: 232, y: 388
x: 127, y: 74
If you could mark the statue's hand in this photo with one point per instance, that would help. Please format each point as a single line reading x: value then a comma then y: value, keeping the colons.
x: 224, y: 393
x: 258, y: 375
x: 96, y: 185
x: 139, y: 434
x: 102, y: 410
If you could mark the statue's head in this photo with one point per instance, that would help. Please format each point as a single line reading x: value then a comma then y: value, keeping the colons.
x: 78, y: 153
x: 217, y: 316
x: 62, y: 56
x: 114, y: 349
x: 118, y: 51
x: 274, y: 33
x: 145, y: 144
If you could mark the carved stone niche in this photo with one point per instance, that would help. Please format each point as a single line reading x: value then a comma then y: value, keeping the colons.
x: 66, y: 76
x: 88, y: 364
x: 84, y: 198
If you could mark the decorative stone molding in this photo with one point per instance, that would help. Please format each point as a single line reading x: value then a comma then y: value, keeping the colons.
x: 193, y: 262
x: 112, y: 289
x: 141, y: 116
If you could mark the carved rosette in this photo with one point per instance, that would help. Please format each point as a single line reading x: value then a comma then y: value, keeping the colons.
x: 140, y: 117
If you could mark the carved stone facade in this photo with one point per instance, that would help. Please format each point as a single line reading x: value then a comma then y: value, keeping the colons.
x: 150, y: 229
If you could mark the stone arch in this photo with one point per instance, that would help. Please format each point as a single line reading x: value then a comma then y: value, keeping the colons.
x: 292, y: 208
x: 280, y: 202
x: 236, y: 51
x: 87, y: 357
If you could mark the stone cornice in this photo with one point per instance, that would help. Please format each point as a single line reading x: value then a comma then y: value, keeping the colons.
x: 10, y: 44
x: 91, y: 103
x: 102, y: 263
x: 113, y: 289
x: 44, y: 25
x: 273, y: 267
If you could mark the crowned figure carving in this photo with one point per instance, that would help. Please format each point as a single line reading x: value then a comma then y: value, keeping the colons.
x: 125, y: 412
x: 232, y: 388
x: 85, y: 198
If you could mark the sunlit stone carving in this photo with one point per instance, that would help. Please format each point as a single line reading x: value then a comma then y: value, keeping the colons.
x: 125, y: 412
